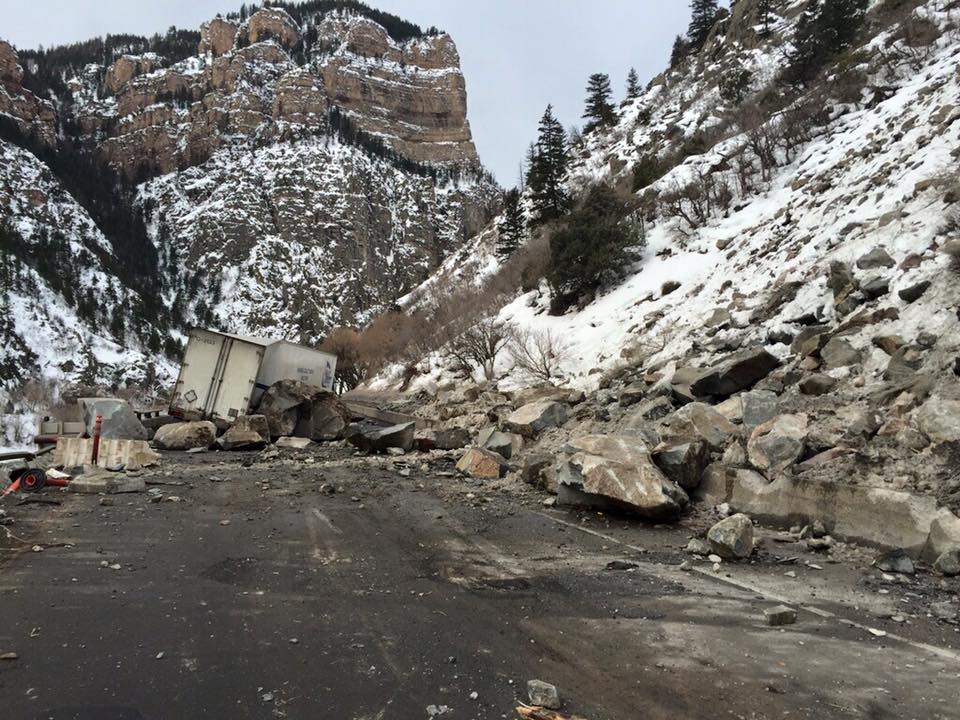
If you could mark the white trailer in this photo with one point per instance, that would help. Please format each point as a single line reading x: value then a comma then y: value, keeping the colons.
x: 223, y: 374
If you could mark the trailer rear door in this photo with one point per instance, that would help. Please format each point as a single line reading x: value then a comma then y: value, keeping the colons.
x: 217, y: 376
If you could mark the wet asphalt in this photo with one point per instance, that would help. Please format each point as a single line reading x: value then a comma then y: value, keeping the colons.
x: 317, y: 590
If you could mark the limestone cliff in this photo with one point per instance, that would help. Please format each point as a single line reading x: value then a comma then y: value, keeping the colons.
x: 270, y: 79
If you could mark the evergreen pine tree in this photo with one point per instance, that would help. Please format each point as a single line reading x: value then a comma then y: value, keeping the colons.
x: 765, y: 16
x: 548, y: 168
x: 118, y: 327
x: 599, y: 112
x: 633, y: 85
x: 511, y: 225
x: 591, y: 249
x: 679, y: 52
x: 703, y: 16
x: 825, y: 29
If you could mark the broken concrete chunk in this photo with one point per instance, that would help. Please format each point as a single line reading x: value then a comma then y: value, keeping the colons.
x: 780, y: 615
x: 732, y: 537
x: 482, y: 464
x: 532, y: 419
x: 778, y: 444
x: 95, y: 481
x: 119, y: 421
x: 737, y: 372
x: 377, y: 439
x: 294, y: 443
x: 543, y: 694
x: 186, y: 436
x: 617, y: 471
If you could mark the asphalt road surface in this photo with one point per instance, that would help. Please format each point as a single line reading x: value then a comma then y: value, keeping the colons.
x: 293, y: 589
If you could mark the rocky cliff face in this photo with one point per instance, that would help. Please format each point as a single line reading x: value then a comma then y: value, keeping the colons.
x: 292, y: 174
x: 244, y: 84
x: 30, y: 113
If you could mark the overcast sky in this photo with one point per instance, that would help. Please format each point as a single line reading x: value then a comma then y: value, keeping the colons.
x: 517, y: 55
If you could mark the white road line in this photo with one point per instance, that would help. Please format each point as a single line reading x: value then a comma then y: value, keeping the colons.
x: 740, y: 584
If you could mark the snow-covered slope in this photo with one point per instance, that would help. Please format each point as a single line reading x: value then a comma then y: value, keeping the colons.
x: 295, y: 238
x: 295, y: 169
x: 874, y: 175
x: 60, y: 298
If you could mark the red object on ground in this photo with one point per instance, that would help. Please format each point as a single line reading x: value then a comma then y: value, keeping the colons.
x: 96, y: 439
x: 14, y: 486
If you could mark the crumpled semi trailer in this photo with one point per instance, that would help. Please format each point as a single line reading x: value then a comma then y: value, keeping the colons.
x: 223, y: 375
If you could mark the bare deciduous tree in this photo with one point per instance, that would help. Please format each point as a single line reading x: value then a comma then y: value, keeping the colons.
x: 537, y: 354
x: 478, y: 347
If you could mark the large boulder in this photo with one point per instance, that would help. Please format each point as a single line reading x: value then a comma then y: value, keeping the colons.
x: 876, y: 258
x: 506, y: 445
x: 732, y: 537
x: 533, y: 470
x: 295, y: 408
x: 874, y: 516
x: 939, y: 419
x: 526, y: 396
x: 617, y: 471
x: 915, y: 292
x: 683, y: 462
x: 698, y: 421
x: 817, y: 384
x: 452, y: 438
x: 778, y: 444
x: 186, y: 436
x: 248, y: 432
x: 810, y: 339
x: 533, y: 418
x: 759, y: 406
x: 740, y: 371
x: 482, y: 464
x: 377, y: 439
x: 948, y: 562
x: 119, y: 422
x: 838, y: 352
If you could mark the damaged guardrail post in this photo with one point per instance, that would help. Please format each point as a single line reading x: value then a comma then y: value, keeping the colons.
x: 96, y: 440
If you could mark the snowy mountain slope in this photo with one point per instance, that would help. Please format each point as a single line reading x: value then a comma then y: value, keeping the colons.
x: 308, y: 235
x: 872, y: 176
x: 60, y: 299
x: 295, y: 168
